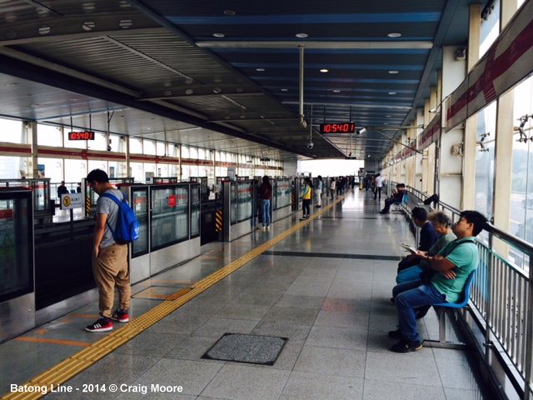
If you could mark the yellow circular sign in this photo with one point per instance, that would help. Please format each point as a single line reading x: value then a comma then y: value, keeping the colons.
x: 66, y: 201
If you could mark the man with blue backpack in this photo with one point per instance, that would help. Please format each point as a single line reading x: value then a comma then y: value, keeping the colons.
x: 116, y: 226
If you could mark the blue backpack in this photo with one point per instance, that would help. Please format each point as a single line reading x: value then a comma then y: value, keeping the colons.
x: 127, y: 228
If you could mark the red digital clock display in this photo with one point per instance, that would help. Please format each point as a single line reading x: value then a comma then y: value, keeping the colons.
x: 85, y: 135
x: 347, y: 127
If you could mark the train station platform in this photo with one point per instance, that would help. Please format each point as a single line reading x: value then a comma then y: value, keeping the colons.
x: 324, y: 284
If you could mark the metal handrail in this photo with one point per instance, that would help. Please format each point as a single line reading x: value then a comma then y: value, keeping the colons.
x: 508, y: 238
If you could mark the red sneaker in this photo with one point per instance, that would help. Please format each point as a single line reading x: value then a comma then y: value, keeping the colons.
x: 102, y: 325
x: 120, y: 316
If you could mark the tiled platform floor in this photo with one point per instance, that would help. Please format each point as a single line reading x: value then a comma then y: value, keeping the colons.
x: 335, y: 310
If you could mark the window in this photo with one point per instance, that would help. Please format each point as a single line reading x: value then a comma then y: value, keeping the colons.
x: 162, y: 170
x: 137, y: 172
x: 75, y: 170
x: 486, y: 128
x: 490, y: 27
x: 161, y: 148
x: 149, y: 147
x: 522, y: 173
x: 150, y: 170
x: 136, y: 146
x: 184, y: 152
x: 193, y: 153
x: 99, y: 142
x: 53, y: 168
x: 11, y: 131
x: 117, y: 169
x: 98, y: 164
x: 118, y: 143
x: 13, y: 167
x: 48, y: 135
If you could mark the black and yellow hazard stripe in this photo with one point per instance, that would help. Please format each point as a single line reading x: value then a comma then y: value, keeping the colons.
x: 87, y: 205
x: 67, y: 369
x: 218, y: 221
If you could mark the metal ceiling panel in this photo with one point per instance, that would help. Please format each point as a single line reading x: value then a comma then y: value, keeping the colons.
x: 231, y: 67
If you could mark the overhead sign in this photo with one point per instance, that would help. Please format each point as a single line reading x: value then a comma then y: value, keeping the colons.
x: 70, y: 201
x: 83, y: 135
x: 342, y: 127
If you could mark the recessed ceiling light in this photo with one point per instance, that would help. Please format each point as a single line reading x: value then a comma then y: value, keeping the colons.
x: 394, y: 72
x: 336, y: 91
x: 260, y: 69
x: 392, y: 93
x: 219, y: 35
x: 229, y: 12
x: 301, y: 35
x: 394, y: 35
x: 389, y: 116
x: 324, y: 70
x: 284, y: 90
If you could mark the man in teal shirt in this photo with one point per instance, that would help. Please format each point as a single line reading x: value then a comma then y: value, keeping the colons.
x: 453, y: 265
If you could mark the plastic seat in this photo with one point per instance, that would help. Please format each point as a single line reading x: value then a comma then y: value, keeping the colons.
x: 442, y: 308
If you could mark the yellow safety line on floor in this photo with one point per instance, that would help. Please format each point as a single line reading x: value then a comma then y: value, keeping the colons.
x: 52, y: 341
x: 82, y: 360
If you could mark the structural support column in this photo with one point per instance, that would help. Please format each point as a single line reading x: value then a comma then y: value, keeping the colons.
x: 451, y: 162
x: 180, y: 172
x: 503, y: 158
x: 32, y: 127
x: 128, y: 167
x: 470, y: 134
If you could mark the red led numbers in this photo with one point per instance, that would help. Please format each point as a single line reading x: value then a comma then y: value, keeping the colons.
x: 347, y: 127
x: 85, y: 135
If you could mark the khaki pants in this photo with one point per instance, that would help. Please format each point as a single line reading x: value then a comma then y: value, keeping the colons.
x: 111, y: 269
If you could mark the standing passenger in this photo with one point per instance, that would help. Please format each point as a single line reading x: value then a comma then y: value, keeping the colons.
x: 332, y: 187
x: 110, y: 259
x: 379, y: 187
x: 306, y: 198
x: 318, y: 191
x: 265, y: 193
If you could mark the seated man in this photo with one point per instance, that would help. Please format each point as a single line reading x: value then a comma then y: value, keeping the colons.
x: 453, y: 265
x: 428, y: 237
x: 396, y: 198
x: 442, y: 225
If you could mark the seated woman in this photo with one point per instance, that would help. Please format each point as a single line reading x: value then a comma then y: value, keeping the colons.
x: 442, y: 225
x: 428, y: 237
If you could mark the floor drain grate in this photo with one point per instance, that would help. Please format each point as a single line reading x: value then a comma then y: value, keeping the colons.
x: 253, y: 349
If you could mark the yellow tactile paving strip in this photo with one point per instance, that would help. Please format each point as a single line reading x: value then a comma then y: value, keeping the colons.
x: 82, y: 360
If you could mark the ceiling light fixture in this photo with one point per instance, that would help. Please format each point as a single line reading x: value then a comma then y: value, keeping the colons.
x: 392, y: 93
x: 301, y: 35
x: 336, y: 91
x: 394, y: 35
x: 229, y: 12
x: 260, y: 69
x: 324, y: 70
x: 362, y: 130
x: 219, y: 35
x: 284, y: 90
x: 394, y: 72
